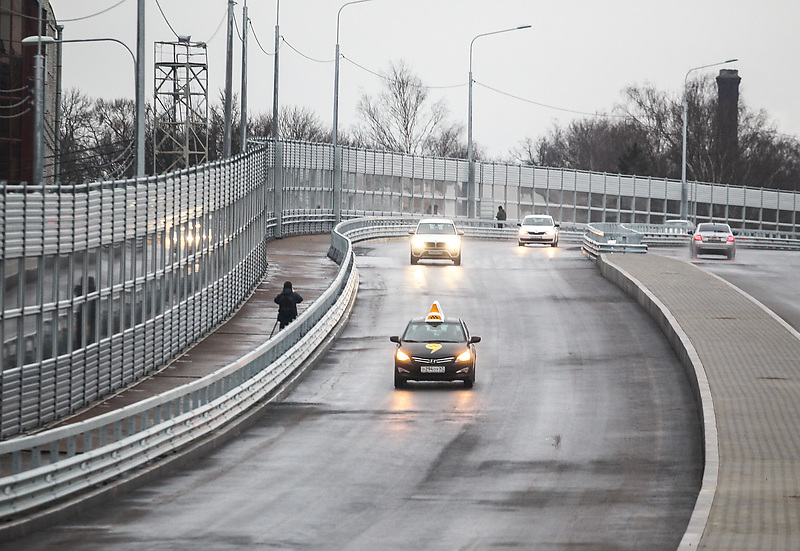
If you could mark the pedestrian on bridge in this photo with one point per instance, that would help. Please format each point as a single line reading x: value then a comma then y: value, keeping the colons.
x: 287, y: 302
x: 501, y: 216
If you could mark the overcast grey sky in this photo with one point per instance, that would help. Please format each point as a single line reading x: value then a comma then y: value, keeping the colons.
x: 577, y: 58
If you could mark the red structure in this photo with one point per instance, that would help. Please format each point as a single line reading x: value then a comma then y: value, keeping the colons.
x: 19, y: 19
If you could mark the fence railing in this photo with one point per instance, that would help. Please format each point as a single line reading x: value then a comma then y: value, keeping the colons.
x: 59, y: 463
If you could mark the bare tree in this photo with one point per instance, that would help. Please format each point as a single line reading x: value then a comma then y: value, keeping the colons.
x: 402, y: 117
x: 645, y: 136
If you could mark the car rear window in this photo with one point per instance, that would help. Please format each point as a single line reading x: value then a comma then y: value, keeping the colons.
x: 713, y: 227
x: 436, y: 332
x: 431, y: 227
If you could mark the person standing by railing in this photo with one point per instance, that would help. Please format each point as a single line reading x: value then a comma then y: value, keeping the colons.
x: 501, y: 216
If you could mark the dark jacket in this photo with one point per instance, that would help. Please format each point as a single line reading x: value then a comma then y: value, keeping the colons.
x: 287, y: 303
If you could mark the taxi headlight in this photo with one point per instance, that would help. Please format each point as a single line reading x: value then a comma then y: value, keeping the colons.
x: 465, y: 356
x: 401, y: 356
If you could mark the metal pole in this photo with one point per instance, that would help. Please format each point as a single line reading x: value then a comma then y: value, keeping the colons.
x: 38, y: 108
x: 470, y: 160
x: 226, y: 140
x: 684, y: 198
x: 243, y: 129
x: 337, y: 151
x: 140, y: 111
x: 275, y: 132
x: 277, y: 146
x: 337, y: 155
x: 59, y: 60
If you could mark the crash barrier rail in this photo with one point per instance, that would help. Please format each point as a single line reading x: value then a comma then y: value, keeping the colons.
x: 659, y: 234
x: 755, y: 239
x: 62, y: 462
x: 370, y: 228
x: 611, y: 238
x: 108, y: 281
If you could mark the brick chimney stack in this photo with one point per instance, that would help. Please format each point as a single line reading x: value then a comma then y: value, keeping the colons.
x: 727, y: 147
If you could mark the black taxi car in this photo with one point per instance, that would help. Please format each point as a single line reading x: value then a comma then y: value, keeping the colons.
x: 435, y: 348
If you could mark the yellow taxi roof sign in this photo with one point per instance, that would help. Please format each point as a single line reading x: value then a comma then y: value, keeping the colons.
x: 435, y: 314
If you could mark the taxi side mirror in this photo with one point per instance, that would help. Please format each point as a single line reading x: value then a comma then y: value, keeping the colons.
x: 473, y: 340
x: 395, y: 338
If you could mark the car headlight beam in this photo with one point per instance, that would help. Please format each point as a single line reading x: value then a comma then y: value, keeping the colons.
x: 401, y: 356
x: 465, y: 356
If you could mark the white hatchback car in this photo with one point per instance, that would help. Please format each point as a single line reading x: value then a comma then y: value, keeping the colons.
x: 538, y: 228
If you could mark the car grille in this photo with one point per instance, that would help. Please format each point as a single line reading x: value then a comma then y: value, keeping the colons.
x: 437, y: 361
x: 435, y: 245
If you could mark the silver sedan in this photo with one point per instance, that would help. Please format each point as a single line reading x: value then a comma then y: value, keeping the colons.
x: 713, y: 238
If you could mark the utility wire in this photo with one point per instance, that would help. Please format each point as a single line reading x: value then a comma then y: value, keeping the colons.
x: 601, y: 115
x: 221, y: 21
x: 12, y: 12
x: 94, y: 14
x: 304, y: 55
x: 238, y: 32
x: 165, y: 19
x: 257, y: 40
x: 380, y: 75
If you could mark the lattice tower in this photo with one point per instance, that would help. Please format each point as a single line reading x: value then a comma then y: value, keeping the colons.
x: 181, y: 105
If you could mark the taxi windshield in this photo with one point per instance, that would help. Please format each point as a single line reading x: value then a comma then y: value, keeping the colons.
x: 419, y: 331
x: 436, y: 228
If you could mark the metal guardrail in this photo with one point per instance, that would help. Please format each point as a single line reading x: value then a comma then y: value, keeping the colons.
x: 611, y: 238
x: 757, y: 239
x: 60, y: 463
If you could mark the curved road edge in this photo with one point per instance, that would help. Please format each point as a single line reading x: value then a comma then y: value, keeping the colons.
x: 698, y: 380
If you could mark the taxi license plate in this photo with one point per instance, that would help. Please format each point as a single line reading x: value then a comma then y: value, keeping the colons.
x: 431, y: 369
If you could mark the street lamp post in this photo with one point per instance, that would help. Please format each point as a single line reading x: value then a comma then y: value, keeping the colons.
x: 470, y: 160
x: 139, y: 123
x: 243, y: 124
x: 684, y: 191
x: 337, y: 153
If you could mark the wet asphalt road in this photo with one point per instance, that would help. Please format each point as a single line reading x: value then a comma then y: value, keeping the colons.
x: 770, y: 276
x: 579, y: 433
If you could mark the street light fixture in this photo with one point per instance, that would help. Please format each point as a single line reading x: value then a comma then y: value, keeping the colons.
x: 684, y: 192
x: 470, y: 160
x: 139, y: 115
x: 337, y: 154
